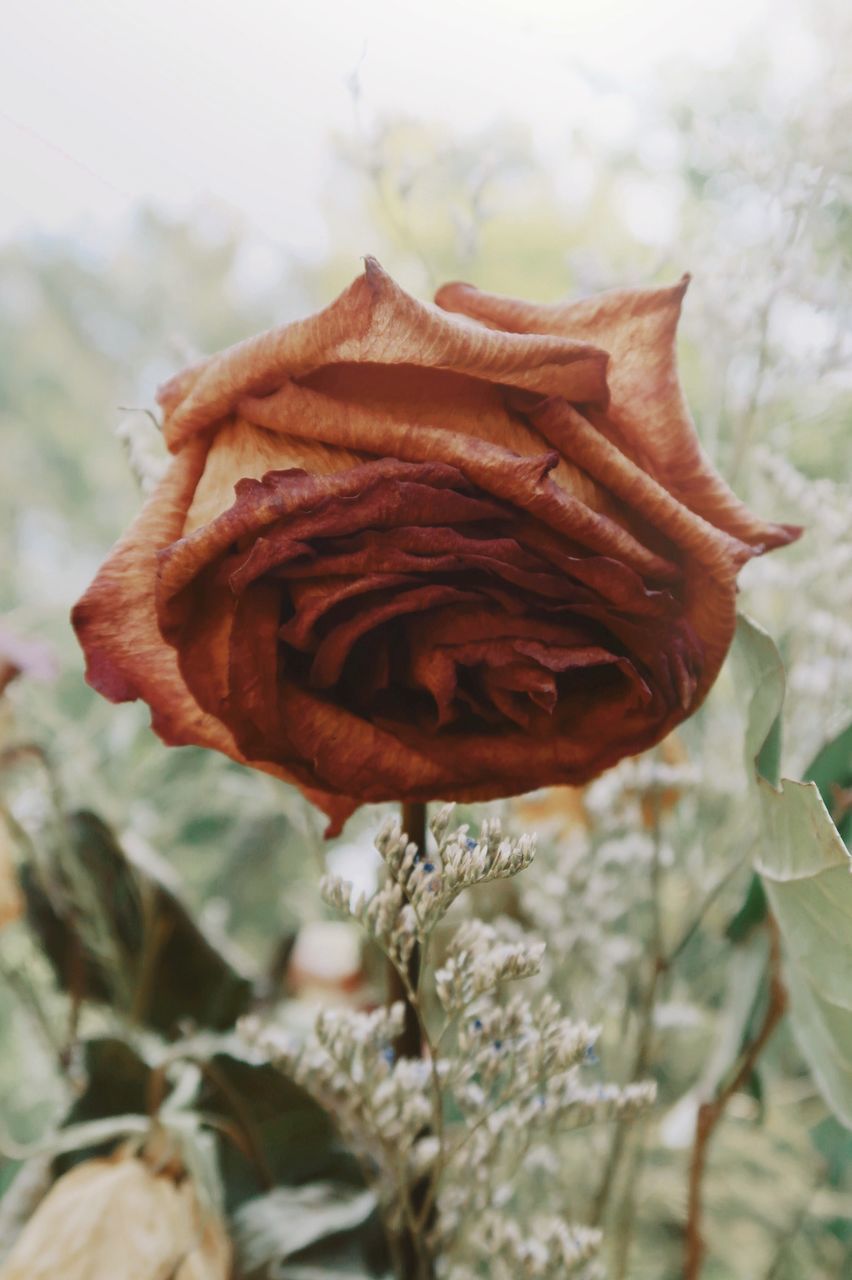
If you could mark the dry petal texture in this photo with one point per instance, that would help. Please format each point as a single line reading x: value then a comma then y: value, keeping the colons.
x: 409, y: 551
x: 116, y: 1219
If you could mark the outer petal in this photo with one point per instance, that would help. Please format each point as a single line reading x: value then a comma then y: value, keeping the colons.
x: 374, y: 321
x: 116, y: 624
x: 638, y: 328
x: 569, y: 432
x: 116, y: 620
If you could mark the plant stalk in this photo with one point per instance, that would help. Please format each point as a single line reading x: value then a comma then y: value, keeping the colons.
x: 409, y: 1043
x: 414, y: 1258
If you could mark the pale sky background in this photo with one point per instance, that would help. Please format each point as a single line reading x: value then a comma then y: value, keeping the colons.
x: 186, y: 103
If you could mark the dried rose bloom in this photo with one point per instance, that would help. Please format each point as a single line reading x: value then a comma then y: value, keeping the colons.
x: 118, y: 1217
x: 409, y: 551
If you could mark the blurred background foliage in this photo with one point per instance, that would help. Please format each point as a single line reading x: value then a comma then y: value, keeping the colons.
x: 723, y: 176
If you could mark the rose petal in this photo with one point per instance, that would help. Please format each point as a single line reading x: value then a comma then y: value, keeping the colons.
x: 523, y: 481
x: 377, y: 322
x: 126, y: 655
x: 638, y: 328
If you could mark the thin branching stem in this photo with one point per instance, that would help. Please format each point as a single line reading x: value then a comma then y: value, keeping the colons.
x: 710, y: 1113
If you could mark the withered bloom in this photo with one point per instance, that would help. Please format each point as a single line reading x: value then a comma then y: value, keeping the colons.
x: 120, y: 1216
x: 408, y: 551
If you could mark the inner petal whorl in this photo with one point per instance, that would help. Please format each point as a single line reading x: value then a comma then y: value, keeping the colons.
x: 403, y: 595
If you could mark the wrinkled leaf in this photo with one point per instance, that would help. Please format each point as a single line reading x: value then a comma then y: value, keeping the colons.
x: 805, y: 869
x: 114, y: 932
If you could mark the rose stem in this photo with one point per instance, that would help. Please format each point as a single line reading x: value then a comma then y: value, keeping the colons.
x: 414, y: 1257
x: 408, y: 1045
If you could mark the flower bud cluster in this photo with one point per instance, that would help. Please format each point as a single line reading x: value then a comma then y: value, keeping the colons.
x: 421, y: 887
x: 386, y: 916
x: 552, y: 1248
x: 580, y: 903
x: 477, y: 961
x: 380, y: 1103
x: 574, y: 1107
x: 501, y: 1071
x: 432, y: 880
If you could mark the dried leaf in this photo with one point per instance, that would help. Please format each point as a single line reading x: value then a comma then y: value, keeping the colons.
x: 117, y: 1218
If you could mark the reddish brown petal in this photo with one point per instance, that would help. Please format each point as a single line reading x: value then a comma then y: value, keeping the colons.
x: 116, y: 624
x: 571, y: 433
x: 239, y: 451
x: 115, y: 620
x: 638, y: 328
x: 314, y: 599
x: 333, y: 651
x: 336, y: 500
x: 378, y: 580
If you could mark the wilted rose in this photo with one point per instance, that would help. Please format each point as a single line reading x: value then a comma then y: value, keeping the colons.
x: 409, y: 551
x: 118, y: 1217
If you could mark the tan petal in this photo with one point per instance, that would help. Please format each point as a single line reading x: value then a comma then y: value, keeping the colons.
x: 524, y: 481
x: 419, y: 397
x: 115, y: 1218
x: 569, y: 432
x: 240, y: 451
x: 638, y: 328
x: 375, y: 321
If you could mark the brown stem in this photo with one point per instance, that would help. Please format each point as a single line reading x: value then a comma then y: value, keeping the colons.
x: 409, y: 1044
x: 710, y: 1113
x: 414, y: 1260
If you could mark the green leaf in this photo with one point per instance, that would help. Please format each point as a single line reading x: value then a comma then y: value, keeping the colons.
x: 751, y: 914
x: 285, y: 1137
x: 831, y: 770
x: 117, y: 1081
x: 115, y: 932
x: 834, y: 1144
x: 805, y: 868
